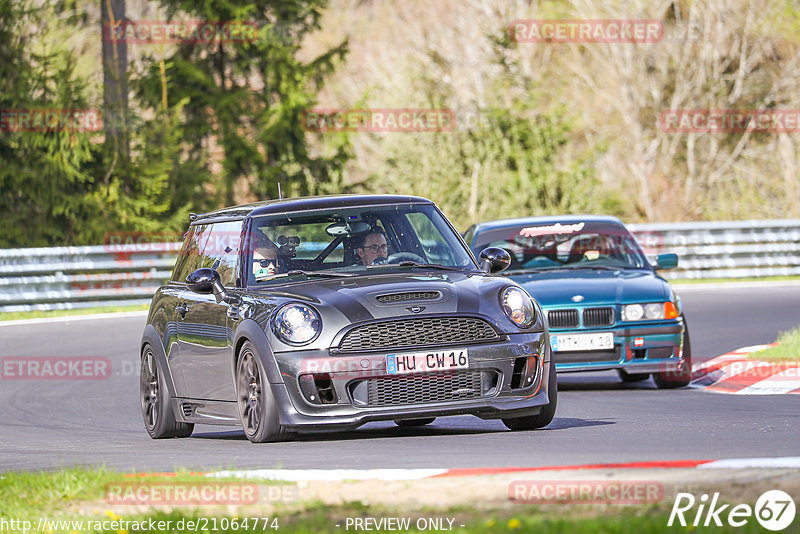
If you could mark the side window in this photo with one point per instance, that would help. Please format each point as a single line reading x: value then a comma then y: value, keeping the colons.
x: 436, y: 248
x: 190, y: 257
x: 222, y: 250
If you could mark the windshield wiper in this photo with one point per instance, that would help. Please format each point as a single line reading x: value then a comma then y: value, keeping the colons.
x: 331, y: 274
x: 410, y: 263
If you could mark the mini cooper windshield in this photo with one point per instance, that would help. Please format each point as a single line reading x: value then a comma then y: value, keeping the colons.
x: 345, y: 242
x: 580, y: 245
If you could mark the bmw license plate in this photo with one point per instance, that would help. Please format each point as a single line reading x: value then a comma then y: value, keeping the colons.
x: 576, y: 342
x: 425, y: 362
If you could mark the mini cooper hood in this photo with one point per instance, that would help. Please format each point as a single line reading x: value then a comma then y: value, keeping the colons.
x: 558, y: 287
x: 404, y: 293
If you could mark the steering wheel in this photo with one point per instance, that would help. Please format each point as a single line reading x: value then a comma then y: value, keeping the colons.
x: 404, y: 256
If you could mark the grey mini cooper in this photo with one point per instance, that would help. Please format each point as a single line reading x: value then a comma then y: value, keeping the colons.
x: 331, y: 312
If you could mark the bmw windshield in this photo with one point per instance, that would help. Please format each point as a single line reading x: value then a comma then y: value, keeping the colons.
x: 349, y: 241
x: 574, y: 245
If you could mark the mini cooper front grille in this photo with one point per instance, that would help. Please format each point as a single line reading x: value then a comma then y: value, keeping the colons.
x: 425, y: 331
x: 563, y: 318
x: 598, y: 316
x: 408, y: 296
x: 422, y: 389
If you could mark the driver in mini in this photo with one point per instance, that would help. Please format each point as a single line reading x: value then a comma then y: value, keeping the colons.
x: 374, y: 247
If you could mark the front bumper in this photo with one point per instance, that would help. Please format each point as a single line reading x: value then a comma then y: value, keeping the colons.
x: 347, y: 405
x: 646, y: 348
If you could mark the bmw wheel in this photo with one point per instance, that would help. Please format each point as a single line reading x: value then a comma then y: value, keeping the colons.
x: 159, y: 419
x: 681, y: 376
x: 258, y: 409
x: 632, y: 377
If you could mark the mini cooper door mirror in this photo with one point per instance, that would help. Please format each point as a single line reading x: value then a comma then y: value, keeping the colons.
x: 666, y: 261
x: 494, y: 259
x: 206, y: 281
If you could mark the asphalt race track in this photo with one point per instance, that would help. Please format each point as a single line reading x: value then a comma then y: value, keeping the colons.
x: 47, y: 423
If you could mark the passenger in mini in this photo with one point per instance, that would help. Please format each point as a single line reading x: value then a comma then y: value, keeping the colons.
x: 265, y: 258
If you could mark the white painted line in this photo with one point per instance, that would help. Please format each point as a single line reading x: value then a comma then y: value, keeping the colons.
x: 68, y: 318
x: 790, y: 462
x: 297, y: 475
x: 783, y: 382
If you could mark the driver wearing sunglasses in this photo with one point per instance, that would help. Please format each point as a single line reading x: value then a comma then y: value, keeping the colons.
x: 265, y: 260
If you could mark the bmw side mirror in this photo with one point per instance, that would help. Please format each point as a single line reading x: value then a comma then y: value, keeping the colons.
x: 206, y: 281
x: 494, y: 259
x: 666, y: 261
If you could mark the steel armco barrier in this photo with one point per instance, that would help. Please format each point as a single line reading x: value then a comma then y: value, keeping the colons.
x: 75, y: 277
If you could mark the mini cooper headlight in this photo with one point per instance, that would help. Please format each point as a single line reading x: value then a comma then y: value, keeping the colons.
x: 296, y: 324
x: 518, y: 306
x: 650, y: 311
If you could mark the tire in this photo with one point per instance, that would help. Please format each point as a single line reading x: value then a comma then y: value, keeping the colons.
x: 632, y: 377
x: 414, y: 422
x: 545, y: 417
x: 683, y: 375
x: 159, y: 419
x: 258, y: 409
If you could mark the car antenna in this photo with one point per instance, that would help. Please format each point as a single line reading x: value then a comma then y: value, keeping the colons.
x: 280, y: 195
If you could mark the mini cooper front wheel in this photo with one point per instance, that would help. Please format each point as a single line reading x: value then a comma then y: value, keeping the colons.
x: 545, y: 417
x: 258, y: 409
x: 159, y: 419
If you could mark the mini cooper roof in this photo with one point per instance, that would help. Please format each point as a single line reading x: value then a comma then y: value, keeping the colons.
x: 552, y: 219
x: 290, y: 205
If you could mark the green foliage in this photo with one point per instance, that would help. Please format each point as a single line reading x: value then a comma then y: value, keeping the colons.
x: 43, y: 176
x: 248, y: 97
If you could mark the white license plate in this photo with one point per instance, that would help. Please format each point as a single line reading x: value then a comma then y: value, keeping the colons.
x: 576, y: 342
x: 424, y: 362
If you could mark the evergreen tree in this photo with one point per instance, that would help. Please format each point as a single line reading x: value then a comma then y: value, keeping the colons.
x: 247, y: 96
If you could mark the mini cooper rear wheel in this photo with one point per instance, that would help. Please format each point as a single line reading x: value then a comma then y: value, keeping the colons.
x: 681, y: 376
x: 159, y: 419
x: 545, y: 417
x: 258, y: 409
x: 414, y: 422
x: 632, y: 377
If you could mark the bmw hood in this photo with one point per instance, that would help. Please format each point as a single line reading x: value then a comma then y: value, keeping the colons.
x: 593, y: 287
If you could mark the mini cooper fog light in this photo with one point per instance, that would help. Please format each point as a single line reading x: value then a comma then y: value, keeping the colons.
x: 296, y: 324
x: 518, y: 306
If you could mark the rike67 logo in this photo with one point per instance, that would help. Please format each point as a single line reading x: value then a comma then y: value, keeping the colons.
x: 774, y: 510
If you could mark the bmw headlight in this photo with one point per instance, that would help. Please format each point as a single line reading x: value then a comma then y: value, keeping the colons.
x: 296, y: 324
x: 518, y: 306
x: 650, y: 311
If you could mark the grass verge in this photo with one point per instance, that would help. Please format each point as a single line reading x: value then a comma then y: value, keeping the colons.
x: 787, y: 350
x: 74, y: 500
x: 39, y: 314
